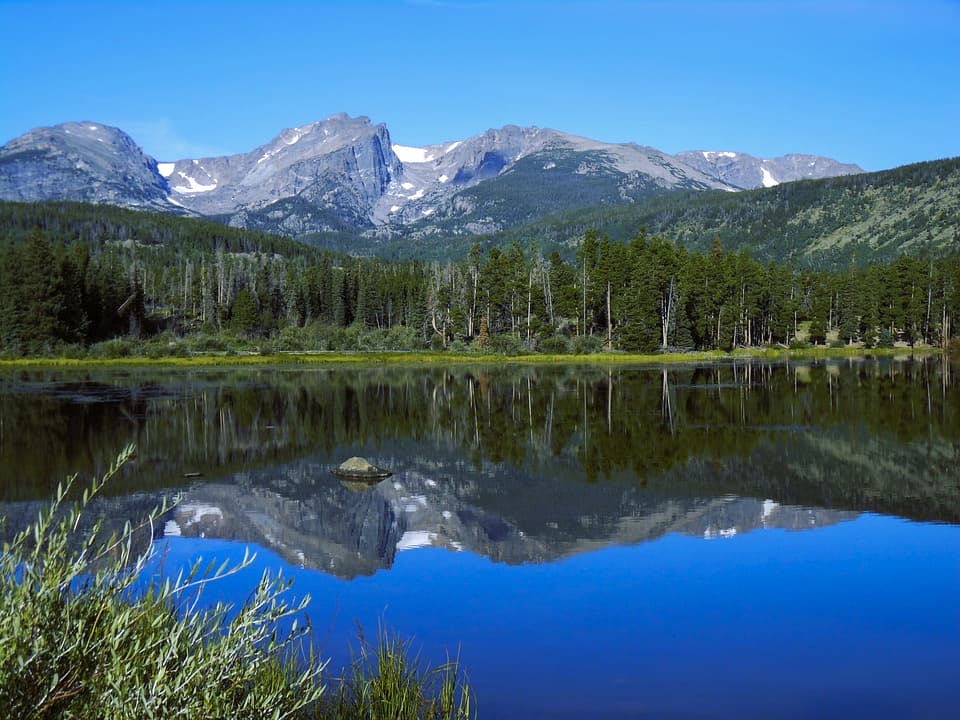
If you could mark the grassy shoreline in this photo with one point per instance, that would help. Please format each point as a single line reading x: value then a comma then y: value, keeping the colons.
x: 337, y: 358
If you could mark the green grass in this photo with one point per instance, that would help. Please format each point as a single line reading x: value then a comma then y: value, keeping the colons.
x: 447, y: 358
x: 385, y: 682
x: 79, y: 639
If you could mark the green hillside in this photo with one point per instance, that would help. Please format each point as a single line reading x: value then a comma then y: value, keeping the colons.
x: 541, y: 184
x: 98, y: 225
x: 825, y: 224
x: 822, y: 224
x: 550, y: 183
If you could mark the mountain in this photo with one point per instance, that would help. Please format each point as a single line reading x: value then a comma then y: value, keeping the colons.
x: 346, y: 175
x: 748, y: 172
x: 505, y: 178
x: 472, y: 180
x: 84, y: 161
x: 337, y: 170
x: 825, y: 224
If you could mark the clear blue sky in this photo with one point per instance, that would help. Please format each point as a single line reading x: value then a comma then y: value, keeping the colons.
x: 875, y: 82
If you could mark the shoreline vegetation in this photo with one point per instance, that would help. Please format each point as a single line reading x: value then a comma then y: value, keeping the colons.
x: 241, y: 358
x: 90, y: 629
x: 80, y: 282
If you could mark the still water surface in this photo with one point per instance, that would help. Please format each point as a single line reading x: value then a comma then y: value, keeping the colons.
x: 736, y: 540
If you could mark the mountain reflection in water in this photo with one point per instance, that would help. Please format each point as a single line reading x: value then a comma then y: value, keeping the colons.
x: 517, y: 464
x: 600, y: 542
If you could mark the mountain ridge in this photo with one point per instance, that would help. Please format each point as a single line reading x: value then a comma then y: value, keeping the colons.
x: 346, y: 174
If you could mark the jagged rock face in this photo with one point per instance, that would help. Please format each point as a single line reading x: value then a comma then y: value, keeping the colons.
x: 434, y: 177
x: 341, y: 164
x: 747, y: 172
x: 344, y: 174
x: 433, y: 174
x: 84, y: 161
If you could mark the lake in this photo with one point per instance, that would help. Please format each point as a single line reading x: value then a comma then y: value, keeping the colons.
x: 741, y: 539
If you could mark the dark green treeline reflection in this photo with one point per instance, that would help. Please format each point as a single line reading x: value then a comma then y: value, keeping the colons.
x: 858, y: 434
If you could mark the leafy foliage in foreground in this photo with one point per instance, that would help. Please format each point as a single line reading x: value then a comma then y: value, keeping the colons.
x: 79, y: 637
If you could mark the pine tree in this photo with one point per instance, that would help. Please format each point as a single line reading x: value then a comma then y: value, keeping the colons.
x: 39, y: 302
x: 483, y: 338
x: 243, y: 313
x: 849, y: 318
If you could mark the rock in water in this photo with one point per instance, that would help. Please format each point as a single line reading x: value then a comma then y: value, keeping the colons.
x: 356, y: 464
x: 360, y: 468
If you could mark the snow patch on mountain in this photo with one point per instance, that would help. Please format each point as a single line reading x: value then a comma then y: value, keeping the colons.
x: 418, y: 155
x: 710, y: 154
x: 408, y: 154
x: 768, y: 179
x: 741, y: 170
x: 165, y: 169
x: 193, y: 186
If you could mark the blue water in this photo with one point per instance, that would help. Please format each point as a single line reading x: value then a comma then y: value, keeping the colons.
x: 857, y: 619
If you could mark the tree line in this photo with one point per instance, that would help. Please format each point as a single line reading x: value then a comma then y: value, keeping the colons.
x: 63, y: 285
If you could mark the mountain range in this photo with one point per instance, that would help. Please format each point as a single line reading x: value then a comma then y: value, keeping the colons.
x: 346, y: 174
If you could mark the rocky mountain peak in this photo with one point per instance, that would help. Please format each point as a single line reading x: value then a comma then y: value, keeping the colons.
x: 86, y: 161
x: 747, y: 172
x: 340, y: 164
x: 345, y: 173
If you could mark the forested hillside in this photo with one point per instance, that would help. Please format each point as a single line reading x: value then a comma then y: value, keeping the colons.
x: 822, y: 224
x: 74, y: 275
x: 819, y: 224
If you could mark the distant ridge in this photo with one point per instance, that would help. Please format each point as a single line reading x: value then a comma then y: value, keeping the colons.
x: 345, y: 174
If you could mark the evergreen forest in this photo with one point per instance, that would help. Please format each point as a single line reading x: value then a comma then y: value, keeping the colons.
x: 77, y: 279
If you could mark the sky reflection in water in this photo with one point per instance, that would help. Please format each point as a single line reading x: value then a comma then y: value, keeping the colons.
x: 848, y: 620
x: 582, y: 498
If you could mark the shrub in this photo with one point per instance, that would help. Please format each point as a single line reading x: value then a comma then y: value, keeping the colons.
x: 208, y: 343
x: 116, y: 348
x: 505, y: 344
x: 555, y: 345
x: 586, y: 344
x: 77, y: 639
x: 292, y: 339
x: 81, y: 638
x: 404, y: 337
x: 73, y: 351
